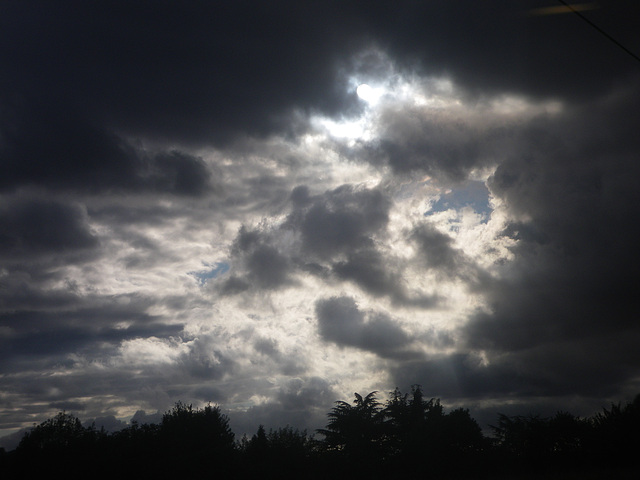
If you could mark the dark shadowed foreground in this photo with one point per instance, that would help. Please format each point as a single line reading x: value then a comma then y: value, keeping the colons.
x: 405, y: 435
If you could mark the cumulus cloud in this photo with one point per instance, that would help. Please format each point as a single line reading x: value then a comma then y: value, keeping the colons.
x: 257, y: 264
x: 380, y: 277
x: 341, y: 220
x: 341, y: 321
x: 318, y: 230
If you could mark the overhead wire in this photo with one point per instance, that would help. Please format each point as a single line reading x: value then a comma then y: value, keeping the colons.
x: 600, y: 30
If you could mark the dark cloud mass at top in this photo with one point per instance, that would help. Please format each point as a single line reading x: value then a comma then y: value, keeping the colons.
x: 196, y: 205
x: 205, y: 73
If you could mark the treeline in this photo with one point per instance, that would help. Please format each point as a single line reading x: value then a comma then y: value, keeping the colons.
x: 406, y: 434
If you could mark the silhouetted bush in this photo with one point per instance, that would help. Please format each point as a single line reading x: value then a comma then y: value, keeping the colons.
x: 60, y: 445
x: 615, y: 435
x: 408, y: 435
x: 196, y: 441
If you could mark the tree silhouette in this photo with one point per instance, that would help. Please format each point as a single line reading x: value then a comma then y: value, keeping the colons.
x: 413, y: 420
x: 58, y: 445
x: 267, y: 455
x: 409, y: 435
x: 567, y: 433
x: 137, y: 448
x: 533, y: 443
x: 461, y: 434
x: 257, y: 449
x: 523, y: 439
x: 423, y: 436
x: 196, y: 440
x: 58, y: 433
x: 356, y: 432
x: 615, y: 435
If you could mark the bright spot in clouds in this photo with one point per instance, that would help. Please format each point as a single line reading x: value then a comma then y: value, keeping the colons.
x: 346, y: 130
x: 368, y: 94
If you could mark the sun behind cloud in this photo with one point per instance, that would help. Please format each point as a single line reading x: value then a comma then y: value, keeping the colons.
x: 366, y: 93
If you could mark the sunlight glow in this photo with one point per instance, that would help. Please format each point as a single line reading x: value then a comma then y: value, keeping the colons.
x: 369, y: 94
x: 348, y: 130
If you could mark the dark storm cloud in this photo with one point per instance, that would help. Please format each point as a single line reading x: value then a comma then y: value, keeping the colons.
x: 341, y: 321
x: 376, y: 274
x: 38, y: 238
x: 31, y: 227
x: 460, y: 375
x: 195, y: 72
x: 205, y: 72
x: 436, y: 252
x: 124, y: 214
x: 257, y: 264
x: 499, y: 47
x: 442, y: 147
x: 179, y: 173
x: 341, y: 220
x: 560, y: 322
x: 595, y: 368
x: 564, y: 314
x: 268, y: 267
x: 329, y: 225
x: 366, y: 268
x: 70, y: 153
x: 78, y: 325
x: 576, y: 241
x: 437, y: 248
x: 46, y: 146
x: 20, y: 291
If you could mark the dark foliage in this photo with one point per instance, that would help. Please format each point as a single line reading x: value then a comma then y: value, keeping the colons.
x: 268, y: 455
x: 406, y: 435
x: 409, y: 434
x: 196, y: 441
x: 614, y: 436
x: 58, y: 445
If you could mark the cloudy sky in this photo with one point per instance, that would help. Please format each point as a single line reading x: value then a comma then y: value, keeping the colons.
x: 198, y: 204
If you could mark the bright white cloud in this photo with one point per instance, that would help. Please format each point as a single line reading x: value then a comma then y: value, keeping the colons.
x: 150, y: 351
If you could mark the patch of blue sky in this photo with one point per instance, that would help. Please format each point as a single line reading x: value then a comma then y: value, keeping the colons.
x: 472, y: 194
x: 212, y: 270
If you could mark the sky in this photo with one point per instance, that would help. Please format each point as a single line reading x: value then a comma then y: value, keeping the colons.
x: 198, y: 204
